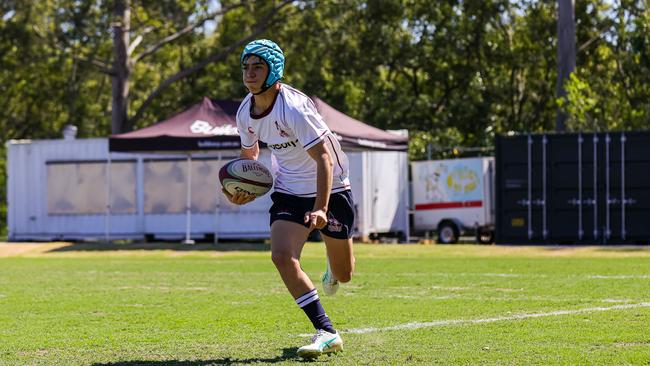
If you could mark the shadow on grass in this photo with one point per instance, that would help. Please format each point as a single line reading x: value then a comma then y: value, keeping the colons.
x: 626, y: 248
x: 599, y: 247
x: 287, y: 354
x: 219, y: 247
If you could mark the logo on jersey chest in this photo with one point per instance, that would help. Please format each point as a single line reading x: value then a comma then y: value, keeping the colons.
x: 282, y: 132
x: 284, y: 145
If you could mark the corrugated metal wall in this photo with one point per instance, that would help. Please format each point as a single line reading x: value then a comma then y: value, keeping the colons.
x: 573, y: 188
x: 29, y: 203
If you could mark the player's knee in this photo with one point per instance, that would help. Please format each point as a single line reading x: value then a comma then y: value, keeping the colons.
x: 344, y: 273
x: 346, y: 277
x: 284, y: 260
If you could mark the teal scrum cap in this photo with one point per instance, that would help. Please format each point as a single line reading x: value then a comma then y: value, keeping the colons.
x: 272, y: 54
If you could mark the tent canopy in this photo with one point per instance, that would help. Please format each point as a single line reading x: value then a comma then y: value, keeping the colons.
x: 211, y: 125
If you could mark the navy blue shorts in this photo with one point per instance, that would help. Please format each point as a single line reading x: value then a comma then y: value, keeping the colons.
x: 340, y: 214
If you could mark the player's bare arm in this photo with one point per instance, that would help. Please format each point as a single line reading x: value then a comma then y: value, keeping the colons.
x: 251, y: 153
x: 318, y: 215
x: 242, y: 198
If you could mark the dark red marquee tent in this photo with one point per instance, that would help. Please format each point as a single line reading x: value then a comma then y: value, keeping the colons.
x: 210, y: 125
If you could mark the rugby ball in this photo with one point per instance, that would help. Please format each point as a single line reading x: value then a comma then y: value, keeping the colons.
x: 245, y: 175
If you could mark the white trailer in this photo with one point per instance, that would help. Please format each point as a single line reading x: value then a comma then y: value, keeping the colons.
x: 74, y: 189
x: 380, y: 187
x: 454, y: 197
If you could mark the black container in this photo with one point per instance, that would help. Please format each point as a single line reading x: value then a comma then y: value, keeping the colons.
x: 580, y: 188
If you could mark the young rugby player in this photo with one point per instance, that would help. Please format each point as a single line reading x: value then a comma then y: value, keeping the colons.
x: 311, y: 191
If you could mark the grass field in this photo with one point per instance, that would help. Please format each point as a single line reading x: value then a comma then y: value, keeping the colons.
x: 410, y: 304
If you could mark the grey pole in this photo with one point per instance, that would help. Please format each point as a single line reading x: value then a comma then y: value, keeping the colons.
x: 188, y: 202
x: 107, y: 234
x: 566, y: 53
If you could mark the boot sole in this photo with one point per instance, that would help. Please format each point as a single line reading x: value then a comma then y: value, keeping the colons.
x: 311, y: 354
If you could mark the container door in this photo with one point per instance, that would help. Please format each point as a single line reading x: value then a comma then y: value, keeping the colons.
x: 627, y: 188
x: 521, y: 175
x: 488, y: 192
x: 573, y: 211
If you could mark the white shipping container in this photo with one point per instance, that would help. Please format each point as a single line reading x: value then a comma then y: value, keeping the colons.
x: 59, y: 190
x: 454, y: 197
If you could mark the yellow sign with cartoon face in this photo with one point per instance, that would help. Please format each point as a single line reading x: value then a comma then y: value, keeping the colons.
x: 449, y: 180
x: 462, y: 179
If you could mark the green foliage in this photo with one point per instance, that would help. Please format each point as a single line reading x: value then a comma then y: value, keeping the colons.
x: 425, y: 145
x: 415, y: 64
x: 610, y: 89
x: 580, y: 104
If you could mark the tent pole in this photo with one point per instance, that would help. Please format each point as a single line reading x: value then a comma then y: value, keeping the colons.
x: 405, y: 199
x: 188, y: 203
x: 217, y: 210
x: 107, y: 233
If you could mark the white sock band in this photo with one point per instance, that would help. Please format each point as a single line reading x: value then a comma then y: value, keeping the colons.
x: 307, y: 298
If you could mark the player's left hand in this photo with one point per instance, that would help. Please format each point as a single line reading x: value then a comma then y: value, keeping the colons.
x: 239, y: 198
x: 316, y: 219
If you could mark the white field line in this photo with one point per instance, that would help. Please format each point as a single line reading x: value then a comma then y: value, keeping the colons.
x: 460, y: 274
x: 442, y: 323
x: 513, y: 275
x: 620, y: 277
x: 504, y: 299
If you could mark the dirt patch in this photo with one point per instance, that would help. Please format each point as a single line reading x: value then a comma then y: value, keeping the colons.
x: 21, y: 249
x: 128, y: 249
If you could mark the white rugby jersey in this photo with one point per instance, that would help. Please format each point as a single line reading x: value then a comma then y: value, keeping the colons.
x: 290, y: 127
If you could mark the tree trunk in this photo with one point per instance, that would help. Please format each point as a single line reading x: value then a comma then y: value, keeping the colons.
x: 123, y: 61
x: 121, y: 67
x: 566, y: 54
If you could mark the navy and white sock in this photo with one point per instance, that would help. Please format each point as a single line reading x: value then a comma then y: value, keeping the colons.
x: 311, y: 305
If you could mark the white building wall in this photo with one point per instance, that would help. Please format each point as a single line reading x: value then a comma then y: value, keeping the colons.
x: 379, y: 185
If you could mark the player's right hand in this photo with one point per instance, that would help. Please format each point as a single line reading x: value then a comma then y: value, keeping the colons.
x: 239, y: 198
x: 316, y: 219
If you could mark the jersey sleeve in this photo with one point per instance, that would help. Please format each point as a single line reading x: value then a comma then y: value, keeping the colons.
x: 308, y: 125
x: 248, y: 139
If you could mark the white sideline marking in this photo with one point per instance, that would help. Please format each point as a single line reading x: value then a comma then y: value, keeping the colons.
x: 514, y: 275
x: 616, y: 300
x: 620, y: 277
x: 440, y: 323
x: 496, y: 298
x: 460, y: 274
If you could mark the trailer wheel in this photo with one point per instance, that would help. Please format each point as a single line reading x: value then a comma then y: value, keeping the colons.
x: 485, y: 236
x: 448, y: 233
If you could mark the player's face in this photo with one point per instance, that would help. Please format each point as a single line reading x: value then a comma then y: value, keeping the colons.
x: 254, y: 73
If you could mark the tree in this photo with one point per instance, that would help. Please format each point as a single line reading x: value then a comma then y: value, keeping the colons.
x: 124, y: 58
x: 155, y: 26
x: 610, y: 89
